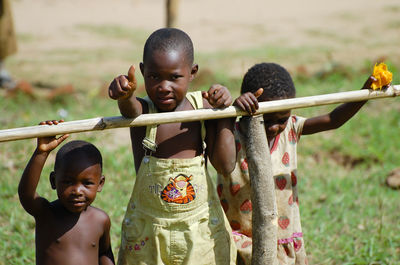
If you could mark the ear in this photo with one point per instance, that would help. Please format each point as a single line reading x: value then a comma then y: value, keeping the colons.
x: 101, y: 184
x: 195, y: 69
x: 52, y: 179
x: 141, y: 66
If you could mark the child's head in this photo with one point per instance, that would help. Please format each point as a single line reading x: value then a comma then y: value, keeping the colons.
x: 277, y: 84
x: 167, y: 67
x: 77, y: 175
x: 273, y: 78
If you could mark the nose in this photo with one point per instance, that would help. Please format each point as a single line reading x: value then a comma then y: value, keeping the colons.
x: 77, y: 190
x: 273, y: 129
x: 164, y: 86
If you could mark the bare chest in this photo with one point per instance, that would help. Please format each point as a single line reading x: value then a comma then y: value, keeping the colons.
x: 175, y: 140
x: 68, y: 240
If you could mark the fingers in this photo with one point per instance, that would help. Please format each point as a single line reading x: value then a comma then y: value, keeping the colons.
x: 119, y: 87
x: 132, y: 82
x: 204, y: 94
x: 62, y: 138
x: 247, y: 102
x: 259, y: 92
x: 48, y: 143
x: 51, y: 122
x: 368, y: 83
x: 123, y: 86
x: 218, y: 96
x: 131, y: 75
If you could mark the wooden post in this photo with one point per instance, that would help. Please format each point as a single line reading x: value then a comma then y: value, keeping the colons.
x: 263, y: 198
x: 172, y: 7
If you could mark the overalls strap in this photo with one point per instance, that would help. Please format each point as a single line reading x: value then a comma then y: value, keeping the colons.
x: 196, y: 99
x: 149, y: 141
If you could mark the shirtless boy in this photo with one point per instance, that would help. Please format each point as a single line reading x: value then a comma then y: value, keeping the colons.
x: 68, y: 230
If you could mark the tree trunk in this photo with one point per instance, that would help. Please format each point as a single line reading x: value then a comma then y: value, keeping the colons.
x: 263, y: 191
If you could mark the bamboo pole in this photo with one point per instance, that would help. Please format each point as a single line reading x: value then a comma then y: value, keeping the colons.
x: 263, y: 200
x: 103, y: 123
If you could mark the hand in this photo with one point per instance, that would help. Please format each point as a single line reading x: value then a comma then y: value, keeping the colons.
x: 368, y: 83
x: 248, y: 101
x: 218, y: 96
x: 122, y: 87
x: 47, y: 144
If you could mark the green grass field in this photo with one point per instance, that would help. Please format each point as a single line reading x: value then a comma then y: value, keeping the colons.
x: 349, y: 216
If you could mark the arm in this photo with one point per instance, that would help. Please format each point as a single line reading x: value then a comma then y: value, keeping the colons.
x: 29, y: 198
x: 121, y: 89
x: 221, y: 147
x: 106, y: 256
x: 220, y: 140
x: 337, y: 117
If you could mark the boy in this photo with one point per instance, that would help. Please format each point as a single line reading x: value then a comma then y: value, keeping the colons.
x: 68, y: 230
x: 266, y: 82
x: 174, y: 215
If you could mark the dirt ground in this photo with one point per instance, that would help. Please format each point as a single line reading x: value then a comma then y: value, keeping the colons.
x: 353, y: 29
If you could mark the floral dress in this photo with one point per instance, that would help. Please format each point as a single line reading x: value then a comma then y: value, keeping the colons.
x: 234, y: 192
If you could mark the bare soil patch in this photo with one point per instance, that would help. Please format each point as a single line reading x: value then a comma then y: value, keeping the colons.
x: 351, y: 31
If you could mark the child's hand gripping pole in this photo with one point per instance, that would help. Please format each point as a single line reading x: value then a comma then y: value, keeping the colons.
x: 47, y: 144
x: 218, y: 96
x: 249, y: 101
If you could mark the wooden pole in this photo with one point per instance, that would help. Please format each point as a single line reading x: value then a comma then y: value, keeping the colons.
x: 172, y: 8
x: 103, y: 123
x: 263, y: 200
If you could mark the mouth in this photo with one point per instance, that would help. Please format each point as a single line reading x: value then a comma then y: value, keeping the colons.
x: 77, y: 203
x: 165, y: 100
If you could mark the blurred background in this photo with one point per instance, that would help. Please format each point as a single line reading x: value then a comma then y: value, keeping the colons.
x: 69, y: 51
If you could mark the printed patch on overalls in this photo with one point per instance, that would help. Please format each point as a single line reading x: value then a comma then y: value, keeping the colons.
x: 179, y: 190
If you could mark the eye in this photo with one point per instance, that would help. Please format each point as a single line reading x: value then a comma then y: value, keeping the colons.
x: 175, y: 77
x: 152, y: 76
x: 88, y: 183
x: 66, y: 181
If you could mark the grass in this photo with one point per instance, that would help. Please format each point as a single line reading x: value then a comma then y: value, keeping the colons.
x: 349, y: 216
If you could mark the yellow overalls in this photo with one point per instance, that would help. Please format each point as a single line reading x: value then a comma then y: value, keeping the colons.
x: 174, y: 215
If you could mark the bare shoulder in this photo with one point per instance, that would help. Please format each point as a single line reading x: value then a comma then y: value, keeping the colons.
x: 44, y: 209
x: 98, y: 215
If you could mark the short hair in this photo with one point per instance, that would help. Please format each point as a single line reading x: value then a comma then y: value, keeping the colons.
x: 75, y: 148
x: 273, y: 78
x: 167, y: 39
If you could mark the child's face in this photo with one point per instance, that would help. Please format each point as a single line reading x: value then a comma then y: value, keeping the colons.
x: 77, y: 184
x: 167, y: 76
x: 275, y: 123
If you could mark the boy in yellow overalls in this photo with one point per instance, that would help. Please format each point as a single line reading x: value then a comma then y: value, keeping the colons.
x: 174, y: 215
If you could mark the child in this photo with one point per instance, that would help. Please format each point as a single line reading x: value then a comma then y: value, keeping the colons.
x: 68, y: 230
x: 174, y: 215
x: 269, y: 81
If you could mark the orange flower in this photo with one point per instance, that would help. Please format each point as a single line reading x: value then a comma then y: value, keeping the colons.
x: 383, y: 76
